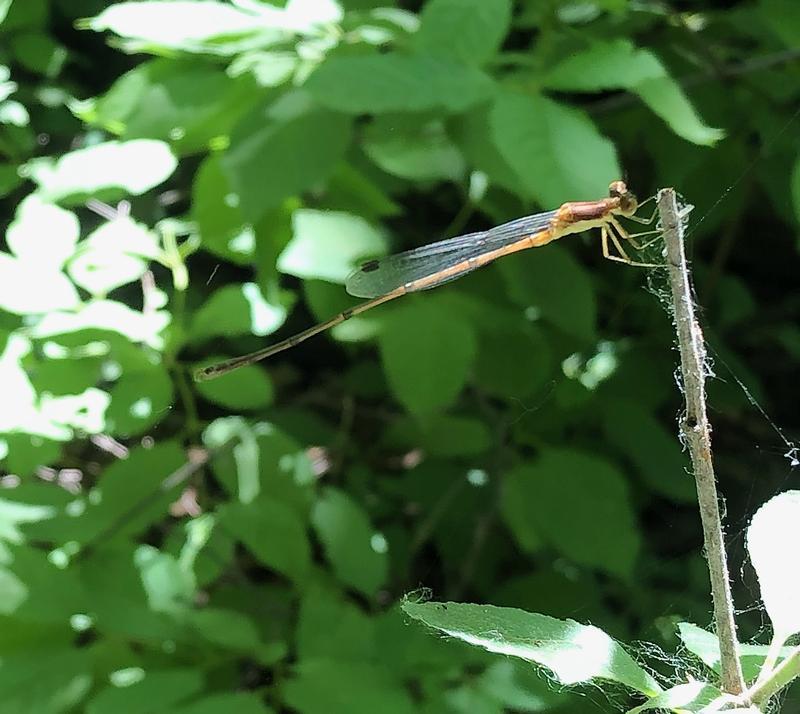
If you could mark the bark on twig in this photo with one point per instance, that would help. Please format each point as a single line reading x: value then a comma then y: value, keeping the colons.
x: 697, y: 433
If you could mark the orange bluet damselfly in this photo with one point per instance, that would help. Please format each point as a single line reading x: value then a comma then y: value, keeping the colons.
x: 429, y: 266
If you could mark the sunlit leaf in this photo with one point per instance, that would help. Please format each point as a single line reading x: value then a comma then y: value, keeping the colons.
x: 573, y: 652
x: 774, y: 525
x: 30, y: 287
x: 46, y: 415
x: 705, y: 646
x: 43, y: 233
x: 178, y: 25
x: 237, y: 310
x: 688, y: 697
x: 107, y: 315
x: 329, y: 245
x: 112, y: 168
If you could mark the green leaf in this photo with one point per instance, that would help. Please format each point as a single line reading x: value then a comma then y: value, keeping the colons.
x: 556, y: 150
x: 46, y: 680
x: 111, y: 169
x: 128, y: 498
x: 14, y: 514
x: 43, y: 592
x: 514, y: 360
x: 246, y: 454
x: 9, y: 178
x: 468, y: 31
x: 795, y: 188
x: 781, y: 18
x: 774, y: 526
x: 272, y: 158
x: 139, y: 399
x: 330, y: 627
x: 326, y: 687
x: 273, y: 533
x: 169, y: 587
x: 116, y: 598
x: 189, y: 104
x: 27, y: 452
x: 705, y: 646
x: 166, y: 686
x: 536, y: 279
x: 235, y: 310
x: 473, y: 135
x: 618, y: 64
x: 379, y: 84
x: 667, y: 100
x: 519, y: 687
x: 427, y: 354
x: 248, y: 387
x: 588, y: 494
x: 442, y: 435
x: 575, y: 653
x: 228, y: 628
x: 226, y: 703
x: 357, y: 552
x: 218, y: 214
x: 413, y: 150
x: 613, y: 64
x: 329, y: 245
x: 689, y: 697
x: 264, y: 460
x: 656, y: 454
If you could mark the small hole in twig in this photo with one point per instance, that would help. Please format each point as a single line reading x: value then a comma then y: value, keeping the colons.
x: 691, y: 422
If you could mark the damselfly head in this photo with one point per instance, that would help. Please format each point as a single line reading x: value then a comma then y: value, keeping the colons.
x: 627, y: 201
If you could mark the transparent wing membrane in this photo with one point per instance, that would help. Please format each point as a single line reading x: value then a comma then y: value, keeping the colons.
x: 381, y: 276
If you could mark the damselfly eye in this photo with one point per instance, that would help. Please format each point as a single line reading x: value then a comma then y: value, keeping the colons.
x: 617, y: 189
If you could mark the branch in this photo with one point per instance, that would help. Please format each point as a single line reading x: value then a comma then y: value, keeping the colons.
x: 697, y: 432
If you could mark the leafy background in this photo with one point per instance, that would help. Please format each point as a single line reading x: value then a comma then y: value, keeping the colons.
x: 182, y: 181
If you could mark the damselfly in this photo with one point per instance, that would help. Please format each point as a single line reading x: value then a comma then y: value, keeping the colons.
x: 432, y: 265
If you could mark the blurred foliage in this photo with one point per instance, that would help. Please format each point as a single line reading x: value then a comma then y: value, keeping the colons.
x: 181, y: 180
